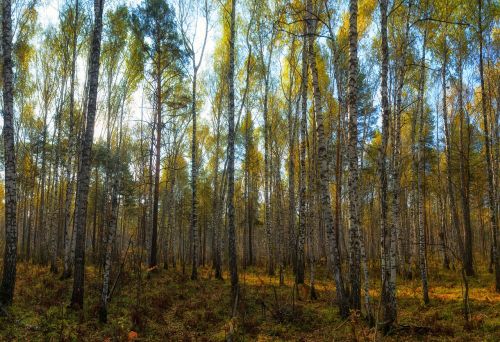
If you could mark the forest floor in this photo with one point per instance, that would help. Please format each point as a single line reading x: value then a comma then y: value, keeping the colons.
x: 167, y: 306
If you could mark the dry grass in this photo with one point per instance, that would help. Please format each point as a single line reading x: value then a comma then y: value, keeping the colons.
x: 167, y: 306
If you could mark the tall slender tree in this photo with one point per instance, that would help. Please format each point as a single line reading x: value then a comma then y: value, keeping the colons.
x: 233, y: 266
x: 464, y: 152
x: 187, y: 10
x: 420, y: 172
x: 266, y: 41
x: 300, y: 255
x: 154, y: 25
x: 486, y: 136
x: 324, y: 191
x: 71, y: 148
x: 83, y: 179
x: 352, y: 156
x: 388, y: 269
x: 10, y: 253
x: 292, y: 129
x: 448, y: 147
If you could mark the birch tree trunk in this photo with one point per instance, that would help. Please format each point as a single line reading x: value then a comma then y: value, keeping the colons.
x: 233, y: 265
x: 10, y: 253
x: 291, y: 164
x: 323, y: 170
x: 54, y: 225
x: 246, y: 178
x: 464, y: 176
x: 388, y: 296
x: 454, y: 213
x: 279, y: 217
x: 300, y: 259
x: 85, y: 160
x: 194, y: 177
x: 491, y: 189
x: 396, y: 234
x: 194, y: 169
x: 267, y: 175
x: 115, y: 173
x: 249, y: 197
x: 352, y: 156
x: 112, y: 226
x: 312, y: 210
x: 216, y: 216
x: 69, y: 184
x: 153, y: 256
x: 442, y: 234
x: 149, y: 206
x: 420, y: 178
x: 41, y: 242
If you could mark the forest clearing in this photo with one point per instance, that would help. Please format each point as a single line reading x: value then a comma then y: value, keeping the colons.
x: 250, y: 170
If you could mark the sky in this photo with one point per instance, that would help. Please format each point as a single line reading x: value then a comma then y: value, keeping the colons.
x: 49, y: 16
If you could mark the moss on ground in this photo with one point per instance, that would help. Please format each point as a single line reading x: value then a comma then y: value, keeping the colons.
x: 166, y: 306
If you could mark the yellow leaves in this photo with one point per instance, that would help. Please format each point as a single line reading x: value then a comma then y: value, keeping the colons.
x: 116, y: 33
x: 343, y: 32
x: 251, y: 65
x: 365, y: 11
x: 24, y: 53
x: 27, y: 115
x: 254, y: 157
x: 377, y: 139
x: 220, y: 55
x: 23, y: 49
x: 2, y: 196
x: 117, y: 23
x: 495, y: 35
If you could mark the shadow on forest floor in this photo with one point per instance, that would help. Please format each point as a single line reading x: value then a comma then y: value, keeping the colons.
x: 167, y: 306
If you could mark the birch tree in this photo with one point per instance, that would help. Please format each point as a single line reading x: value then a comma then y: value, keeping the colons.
x: 85, y: 160
x: 10, y: 252
x: 486, y: 136
x: 352, y: 156
x: 233, y: 266
x: 83, y: 179
x: 300, y: 257
x: 323, y: 167
x: 388, y: 249
x: 71, y: 148
x: 190, y: 10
